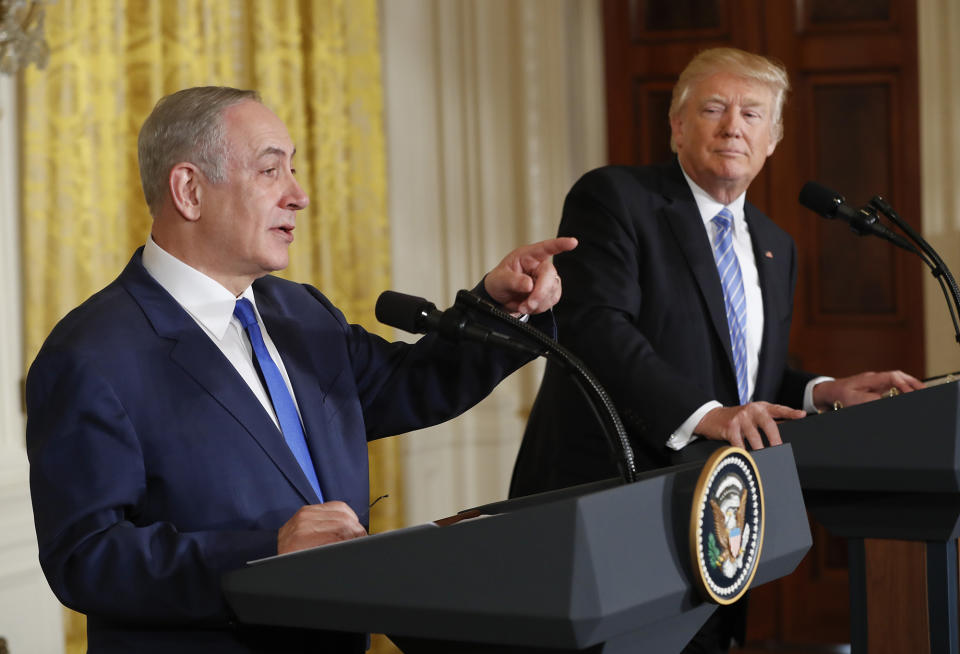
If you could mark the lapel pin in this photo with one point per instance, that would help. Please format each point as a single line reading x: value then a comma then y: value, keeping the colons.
x: 768, y: 254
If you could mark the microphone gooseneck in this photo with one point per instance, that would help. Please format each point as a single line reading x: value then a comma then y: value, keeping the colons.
x: 938, y: 268
x: 597, y: 397
x: 419, y: 316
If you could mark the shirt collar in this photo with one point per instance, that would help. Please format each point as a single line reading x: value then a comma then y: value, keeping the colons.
x: 709, y: 207
x: 205, y: 299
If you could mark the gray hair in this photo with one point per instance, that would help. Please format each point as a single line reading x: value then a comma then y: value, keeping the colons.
x: 736, y: 62
x: 185, y: 126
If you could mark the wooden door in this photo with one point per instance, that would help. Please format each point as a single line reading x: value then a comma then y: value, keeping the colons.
x: 851, y: 123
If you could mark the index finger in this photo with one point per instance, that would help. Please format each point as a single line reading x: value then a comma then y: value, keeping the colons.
x: 906, y: 383
x: 550, y: 247
x: 782, y: 412
x: 335, y: 506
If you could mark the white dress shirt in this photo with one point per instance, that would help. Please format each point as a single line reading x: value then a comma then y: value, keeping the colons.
x: 211, y: 305
x: 743, y: 249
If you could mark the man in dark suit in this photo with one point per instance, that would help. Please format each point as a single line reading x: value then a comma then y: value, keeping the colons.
x: 198, y: 413
x: 683, y: 317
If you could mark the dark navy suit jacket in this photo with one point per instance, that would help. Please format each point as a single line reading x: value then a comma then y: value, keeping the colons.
x: 643, y: 307
x: 154, y: 469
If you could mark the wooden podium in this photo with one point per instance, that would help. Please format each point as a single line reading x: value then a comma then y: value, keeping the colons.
x: 890, y: 469
x: 602, y: 568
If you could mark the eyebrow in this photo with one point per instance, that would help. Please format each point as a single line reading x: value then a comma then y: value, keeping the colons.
x: 748, y: 102
x: 274, y: 150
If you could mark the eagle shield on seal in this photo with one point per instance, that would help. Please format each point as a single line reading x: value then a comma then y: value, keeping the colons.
x: 729, y: 506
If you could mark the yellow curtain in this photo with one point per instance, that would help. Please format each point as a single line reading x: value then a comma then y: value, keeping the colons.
x: 316, y: 64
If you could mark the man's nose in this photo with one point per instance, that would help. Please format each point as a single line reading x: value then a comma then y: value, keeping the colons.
x: 732, y: 124
x: 296, y: 198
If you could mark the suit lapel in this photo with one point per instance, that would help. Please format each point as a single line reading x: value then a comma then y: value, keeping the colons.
x: 200, y: 358
x: 684, y: 219
x: 311, y: 375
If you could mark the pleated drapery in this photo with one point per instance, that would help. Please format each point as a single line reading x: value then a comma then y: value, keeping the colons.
x: 316, y: 63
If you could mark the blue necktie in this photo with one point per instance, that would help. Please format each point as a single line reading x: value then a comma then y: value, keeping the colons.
x: 733, y: 296
x: 282, y: 401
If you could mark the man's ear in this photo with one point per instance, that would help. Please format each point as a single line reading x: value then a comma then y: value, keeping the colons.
x: 185, y: 190
x: 676, y: 128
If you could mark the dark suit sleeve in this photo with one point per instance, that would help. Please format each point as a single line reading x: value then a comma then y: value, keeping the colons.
x: 403, y: 387
x: 89, y: 481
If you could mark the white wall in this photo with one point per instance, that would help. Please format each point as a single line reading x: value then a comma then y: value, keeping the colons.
x: 30, y: 617
x: 493, y: 109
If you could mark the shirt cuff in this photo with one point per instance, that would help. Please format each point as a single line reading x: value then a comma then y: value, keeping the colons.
x: 683, y: 436
x: 808, y: 404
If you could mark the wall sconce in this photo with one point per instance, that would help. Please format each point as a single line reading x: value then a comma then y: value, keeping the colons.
x: 21, y: 35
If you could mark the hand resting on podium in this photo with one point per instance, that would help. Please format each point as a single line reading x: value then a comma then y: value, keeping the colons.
x: 319, y: 524
x: 754, y: 424
x: 864, y: 387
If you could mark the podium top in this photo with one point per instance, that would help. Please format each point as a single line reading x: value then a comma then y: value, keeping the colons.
x: 567, y: 571
x: 907, y: 443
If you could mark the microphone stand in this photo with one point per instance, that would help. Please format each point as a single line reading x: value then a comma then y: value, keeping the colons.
x: 930, y: 257
x: 597, y: 397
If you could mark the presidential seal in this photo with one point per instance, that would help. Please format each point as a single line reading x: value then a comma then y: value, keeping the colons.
x: 726, y: 525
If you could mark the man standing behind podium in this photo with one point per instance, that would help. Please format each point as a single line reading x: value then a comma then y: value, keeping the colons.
x: 679, y: 296
x: 198, y: 413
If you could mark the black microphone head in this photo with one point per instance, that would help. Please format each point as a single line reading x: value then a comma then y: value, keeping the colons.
x: 406, y: 312
x: 820, y: 199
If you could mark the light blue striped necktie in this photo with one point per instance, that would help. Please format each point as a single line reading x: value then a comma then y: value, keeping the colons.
x: 283, y: 403
x: 733, y: 296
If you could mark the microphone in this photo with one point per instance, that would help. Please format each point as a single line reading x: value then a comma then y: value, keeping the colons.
x: 407, y: 312
x: 419, y: 316
x: 832, y: 205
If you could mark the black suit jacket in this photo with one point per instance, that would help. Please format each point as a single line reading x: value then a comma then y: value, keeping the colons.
x: 643, y: 307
